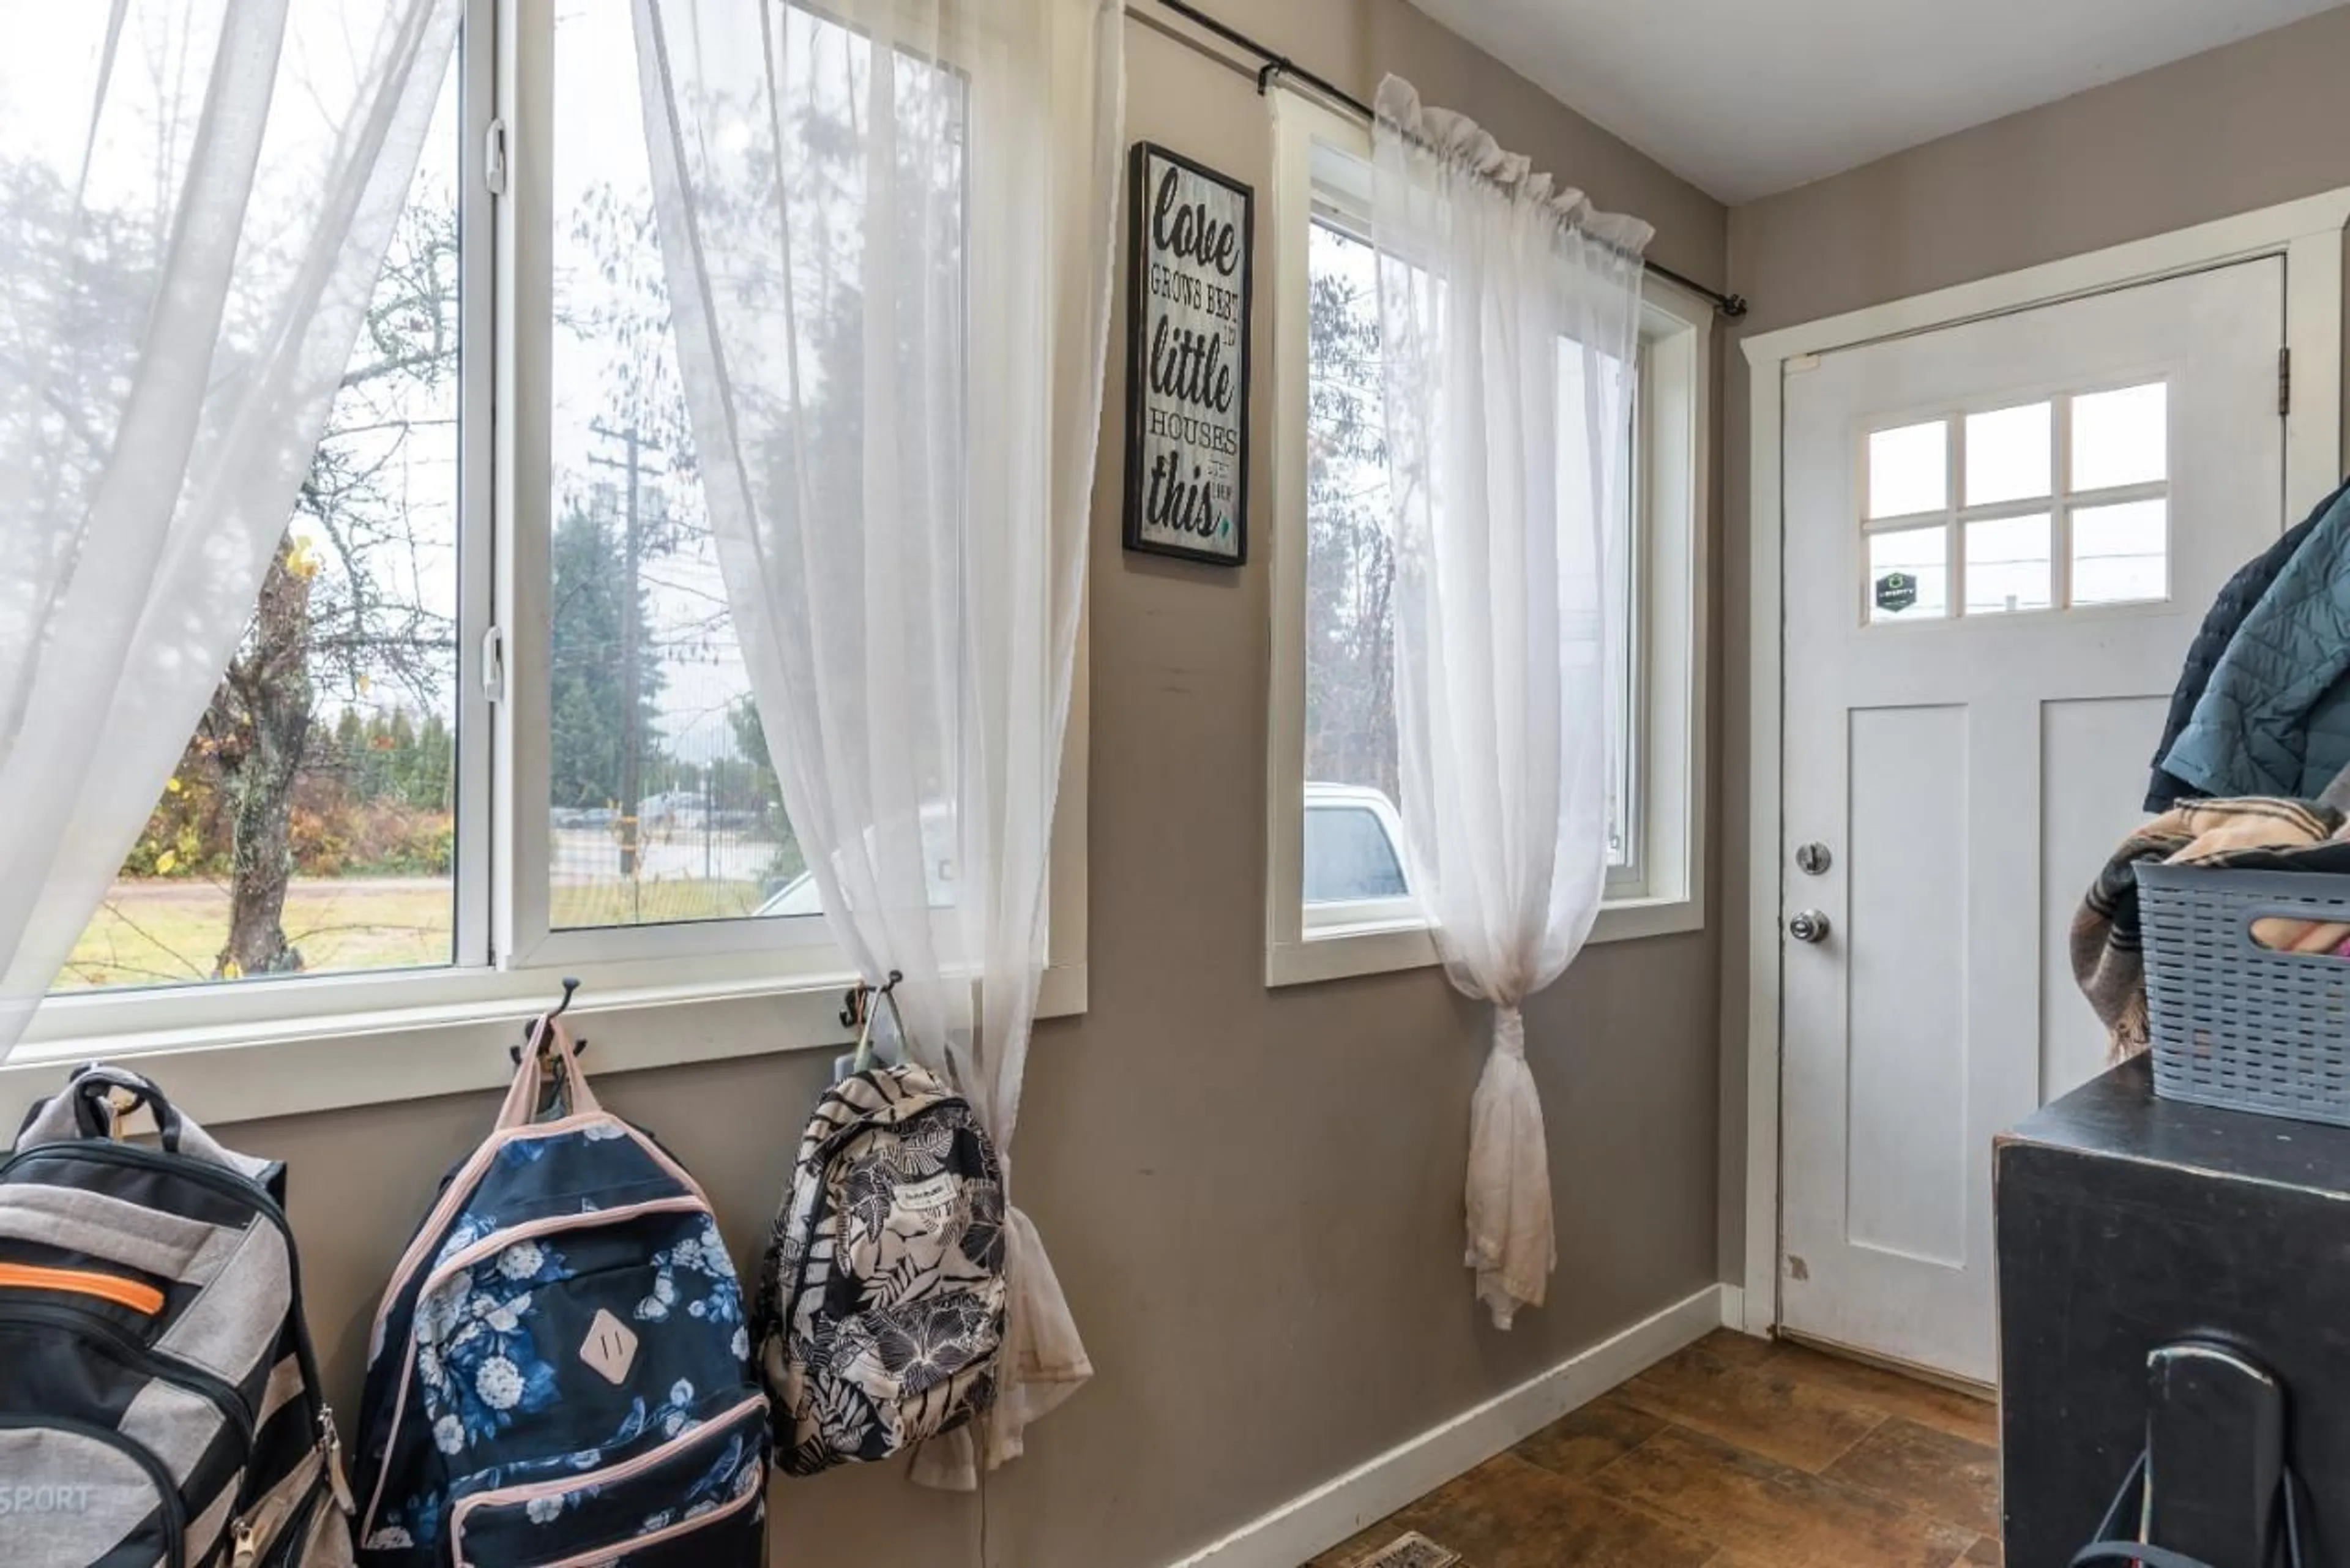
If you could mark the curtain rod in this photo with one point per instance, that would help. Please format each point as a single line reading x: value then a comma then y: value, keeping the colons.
x: 1278, y: 65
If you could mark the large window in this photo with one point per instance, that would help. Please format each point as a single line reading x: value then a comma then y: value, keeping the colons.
x: 1340, y: 901
x: 490, y: 724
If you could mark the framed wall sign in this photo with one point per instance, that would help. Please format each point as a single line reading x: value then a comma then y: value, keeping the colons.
x: 1189, y: 249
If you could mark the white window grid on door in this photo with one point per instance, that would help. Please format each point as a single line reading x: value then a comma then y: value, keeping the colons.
x: 2059, y: 502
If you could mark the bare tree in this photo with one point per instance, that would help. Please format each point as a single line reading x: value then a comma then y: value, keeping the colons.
x: 348, y: 612
x: 1350, y: 557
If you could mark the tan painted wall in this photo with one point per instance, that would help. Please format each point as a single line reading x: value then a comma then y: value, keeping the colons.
x: 2247, y: 126
x: 1254, y: 1197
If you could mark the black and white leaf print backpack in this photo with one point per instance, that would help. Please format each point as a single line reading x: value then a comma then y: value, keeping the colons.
x: 158, y: 1399
x: 560, y: 1370
x: 881, y: 1300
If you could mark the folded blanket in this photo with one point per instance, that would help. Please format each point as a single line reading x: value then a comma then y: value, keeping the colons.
x: 2255, y: 833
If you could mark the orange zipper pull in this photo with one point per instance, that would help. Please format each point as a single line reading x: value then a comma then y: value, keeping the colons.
x: 131, y: 1294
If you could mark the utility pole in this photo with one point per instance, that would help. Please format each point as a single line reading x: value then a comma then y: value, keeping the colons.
x: 635, y: 447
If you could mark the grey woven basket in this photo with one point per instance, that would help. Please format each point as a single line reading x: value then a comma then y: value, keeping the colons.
x: 2235, y: 1023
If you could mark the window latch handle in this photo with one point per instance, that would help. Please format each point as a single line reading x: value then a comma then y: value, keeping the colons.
x: 494, y: 664
x: 494, y: 158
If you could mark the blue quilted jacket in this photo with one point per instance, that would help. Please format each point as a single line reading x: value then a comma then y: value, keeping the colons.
x: 2228, y: 611
x: 2274, y: 717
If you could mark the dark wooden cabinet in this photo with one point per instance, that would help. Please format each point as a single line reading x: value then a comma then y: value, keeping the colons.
x: 2125, y: 1223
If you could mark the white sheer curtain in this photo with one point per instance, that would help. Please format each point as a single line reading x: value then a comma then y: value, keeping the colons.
x: 1508, y: 314
x: 888, y: 229
x: 195, y: 196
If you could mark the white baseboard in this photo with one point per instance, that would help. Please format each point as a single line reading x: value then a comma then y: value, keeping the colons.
x: 1313, y: 1524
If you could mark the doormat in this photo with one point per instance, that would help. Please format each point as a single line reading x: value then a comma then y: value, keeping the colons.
x: 1410, y: 1549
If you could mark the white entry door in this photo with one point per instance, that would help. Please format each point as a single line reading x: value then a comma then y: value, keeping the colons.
x: 2000, y: 537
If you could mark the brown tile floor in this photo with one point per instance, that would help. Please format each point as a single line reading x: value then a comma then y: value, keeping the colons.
x: 1734, y: 1454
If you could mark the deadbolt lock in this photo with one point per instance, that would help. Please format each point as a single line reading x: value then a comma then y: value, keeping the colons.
x: 1813, y: 859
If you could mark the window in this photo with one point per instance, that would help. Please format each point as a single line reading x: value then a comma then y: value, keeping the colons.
x: 1339, y: 900
x: 2060, y: 503
x: 311, y: 825
x: 490, y: 724
x: 662, y: 805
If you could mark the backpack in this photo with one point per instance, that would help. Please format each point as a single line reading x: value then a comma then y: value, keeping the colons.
x: 881, y: 1300
x: 158, y: 1398
x: 560, y: 1370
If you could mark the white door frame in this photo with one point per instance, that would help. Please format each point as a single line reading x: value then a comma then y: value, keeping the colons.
x: 2308, y: 234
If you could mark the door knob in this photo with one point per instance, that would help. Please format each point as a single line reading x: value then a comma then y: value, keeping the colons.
x: 1808, y: 926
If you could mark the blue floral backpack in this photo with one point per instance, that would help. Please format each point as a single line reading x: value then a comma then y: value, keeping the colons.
x: 560, y: 1372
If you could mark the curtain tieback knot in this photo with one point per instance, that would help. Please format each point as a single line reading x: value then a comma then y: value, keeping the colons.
x: 1509, y: 1031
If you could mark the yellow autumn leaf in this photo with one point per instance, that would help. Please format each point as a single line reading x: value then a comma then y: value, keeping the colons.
x: 301, y: 562
x: 230, y: 970
x: 173, y: 785
x: 166, y: 861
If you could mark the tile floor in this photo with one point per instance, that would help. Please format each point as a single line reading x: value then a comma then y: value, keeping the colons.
x: 1735, y: 1453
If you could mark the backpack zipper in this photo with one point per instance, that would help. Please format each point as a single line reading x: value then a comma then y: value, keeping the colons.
x: 498, y: 1240
x: 169, y: 1504
x: 141, y: 1358
x: 140, y: 1297
x: 245, y: 1536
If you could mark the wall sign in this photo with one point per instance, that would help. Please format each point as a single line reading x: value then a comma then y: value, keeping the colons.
x: 1188, y: 239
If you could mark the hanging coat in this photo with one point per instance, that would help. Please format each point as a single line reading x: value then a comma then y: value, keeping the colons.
x: 2274, y: 717
x: 2227, y: 613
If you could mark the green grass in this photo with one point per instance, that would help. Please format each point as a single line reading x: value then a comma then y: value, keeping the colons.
x: 169, y: 932
x: 617, y: 903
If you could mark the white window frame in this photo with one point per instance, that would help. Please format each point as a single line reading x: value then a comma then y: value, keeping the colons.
x: 651, y: 995
x: 1661, y: 889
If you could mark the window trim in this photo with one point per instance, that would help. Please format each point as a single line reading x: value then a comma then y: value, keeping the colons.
x: 286, y: 1045
x: 1666, y: 891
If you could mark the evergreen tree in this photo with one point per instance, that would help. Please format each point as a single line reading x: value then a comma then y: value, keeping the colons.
x: 586, y: 695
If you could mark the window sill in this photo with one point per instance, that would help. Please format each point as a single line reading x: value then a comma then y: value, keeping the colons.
x: 1344, y: 951
x: 222, y: 1073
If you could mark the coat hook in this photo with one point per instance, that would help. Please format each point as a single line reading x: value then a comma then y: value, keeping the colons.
x: 860, y: 998
x: 530, y: 1026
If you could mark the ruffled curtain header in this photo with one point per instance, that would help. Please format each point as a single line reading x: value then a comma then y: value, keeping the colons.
x: 1462, y: 147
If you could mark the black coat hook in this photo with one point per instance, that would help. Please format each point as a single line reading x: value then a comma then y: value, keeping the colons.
x: 530, y: 1026
x: 860, y: 998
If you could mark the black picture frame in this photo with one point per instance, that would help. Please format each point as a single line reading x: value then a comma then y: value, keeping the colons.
x: 1144, y: 161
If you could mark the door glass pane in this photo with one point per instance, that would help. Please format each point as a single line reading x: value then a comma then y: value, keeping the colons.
x: 2007, y: 456
x: 663, y: 801
x: 2008, y: 565
x: 2121, y: 554
x: 1908, y: 470
x: 309, y: 826
x: 1908, y: 575
x: 2121, y: 437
